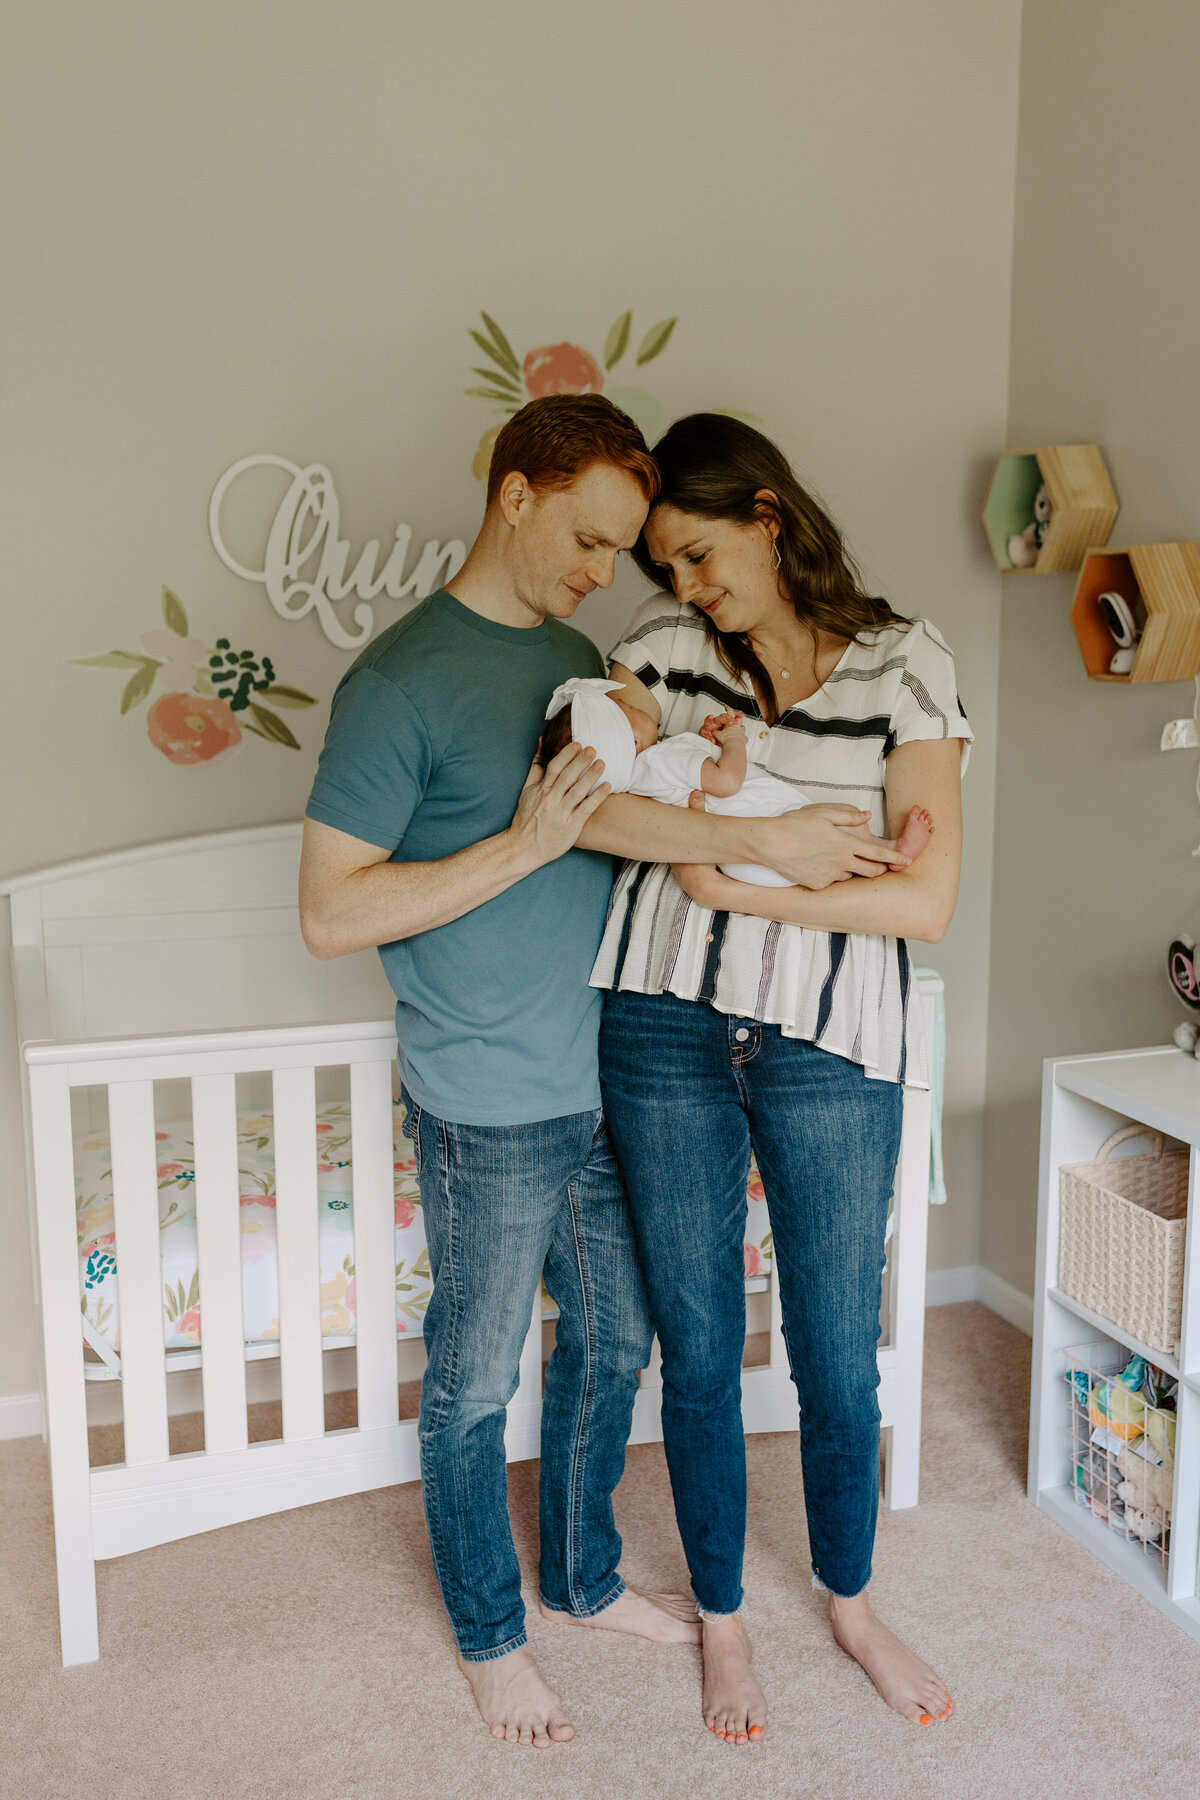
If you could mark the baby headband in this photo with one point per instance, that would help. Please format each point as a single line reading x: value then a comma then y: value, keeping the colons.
x: 599, y: 721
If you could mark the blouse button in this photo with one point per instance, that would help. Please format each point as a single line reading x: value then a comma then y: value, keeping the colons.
x: 708, y: 937
x: 762, y: 734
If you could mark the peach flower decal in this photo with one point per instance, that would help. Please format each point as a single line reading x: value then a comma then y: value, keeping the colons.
x: 560, y: 369
x: 211, y: 696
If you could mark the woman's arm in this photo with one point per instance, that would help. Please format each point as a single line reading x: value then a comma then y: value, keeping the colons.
x: 918, y: 902
x: 636, y: 692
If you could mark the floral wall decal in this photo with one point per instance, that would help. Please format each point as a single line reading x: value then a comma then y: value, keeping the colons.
x: 209, y: 695
x: 563, y: 369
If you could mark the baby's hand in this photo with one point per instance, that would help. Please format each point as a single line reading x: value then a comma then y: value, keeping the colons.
x: 718, y: 726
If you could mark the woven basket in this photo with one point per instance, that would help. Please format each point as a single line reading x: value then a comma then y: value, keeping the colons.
x: 1121, y: 1232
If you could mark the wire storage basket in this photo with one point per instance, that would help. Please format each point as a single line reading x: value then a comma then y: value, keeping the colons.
x: 1123, y: 1443
x: 1122, y: 1222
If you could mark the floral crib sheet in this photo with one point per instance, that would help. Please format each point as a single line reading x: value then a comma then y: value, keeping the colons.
x: 99, y: 1299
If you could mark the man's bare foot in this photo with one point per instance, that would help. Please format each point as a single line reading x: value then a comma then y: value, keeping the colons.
x: 918, y: 829
x: 733, y: 1703
x: 515, y: 1702
x: 663, y: 1618
x: 907, y: 1684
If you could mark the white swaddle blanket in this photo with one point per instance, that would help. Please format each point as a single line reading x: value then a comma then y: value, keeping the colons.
x: 669, y: 771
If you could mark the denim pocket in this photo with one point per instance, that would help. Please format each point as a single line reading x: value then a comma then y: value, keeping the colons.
x: 412, y: 1117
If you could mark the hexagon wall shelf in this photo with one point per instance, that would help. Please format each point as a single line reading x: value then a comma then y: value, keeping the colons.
x: 1081, y: 494
x: 1161, y: 583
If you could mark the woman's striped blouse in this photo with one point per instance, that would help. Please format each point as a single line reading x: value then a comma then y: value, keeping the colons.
x: 849, y: 992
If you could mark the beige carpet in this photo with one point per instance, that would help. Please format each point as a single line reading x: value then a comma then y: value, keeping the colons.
x: 306, y: 1656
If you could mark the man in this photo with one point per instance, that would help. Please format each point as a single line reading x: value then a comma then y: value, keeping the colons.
x: 485, y: 884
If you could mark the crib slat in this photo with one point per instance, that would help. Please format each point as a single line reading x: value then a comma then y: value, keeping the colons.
x: 297, y: 1248
x: 374, y: 1243
x: 66, y: 1410
x: 139, y: 1271
x: 219, y: 1239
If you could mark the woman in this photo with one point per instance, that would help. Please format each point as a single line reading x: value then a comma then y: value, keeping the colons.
x: 775, y: 1018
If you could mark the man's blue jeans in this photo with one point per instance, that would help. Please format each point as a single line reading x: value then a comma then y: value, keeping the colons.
x: 502, y: 1205
x: 687, y: 1091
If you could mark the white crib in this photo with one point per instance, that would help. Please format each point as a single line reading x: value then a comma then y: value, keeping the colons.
x: 199, y: 939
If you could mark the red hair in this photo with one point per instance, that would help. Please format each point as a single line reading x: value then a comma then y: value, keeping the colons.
x: 552, y: 441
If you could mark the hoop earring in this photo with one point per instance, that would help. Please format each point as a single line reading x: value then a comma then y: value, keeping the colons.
x: 778, y: 560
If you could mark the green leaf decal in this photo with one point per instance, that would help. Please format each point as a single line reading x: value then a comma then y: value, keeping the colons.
x: 655, y: 340
x: 139, y: 683
x: 507, y: 401
x: 616, y: 343
x: 112, y: 659
x: 501, y: 381
x: 174, y: 614
x: 193, y: 1292
x: 489, y: 349
x: 508, y: 355
x: 286, y: 696
x: 272, y: 726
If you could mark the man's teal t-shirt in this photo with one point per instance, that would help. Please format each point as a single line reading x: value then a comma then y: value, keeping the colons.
x: 430, y: 738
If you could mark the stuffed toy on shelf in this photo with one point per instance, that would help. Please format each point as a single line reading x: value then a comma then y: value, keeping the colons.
x: 1023, y: 546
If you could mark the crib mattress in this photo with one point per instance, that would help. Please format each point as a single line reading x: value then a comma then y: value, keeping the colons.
x: 99, y: 1275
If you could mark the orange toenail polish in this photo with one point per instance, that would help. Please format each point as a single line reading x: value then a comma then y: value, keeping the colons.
x: 926, y: 1719
x: 742, y: 1738
x: 756, y: 1731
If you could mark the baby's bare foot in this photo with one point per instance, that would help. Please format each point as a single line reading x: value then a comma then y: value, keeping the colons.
x: 515, y: 1702
x: 733, y: 1703
x: 663, y: 1618
x: 908, y: 1685
x: 918, y: 829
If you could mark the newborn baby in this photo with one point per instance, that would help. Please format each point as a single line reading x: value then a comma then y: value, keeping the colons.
x: 711, y: 763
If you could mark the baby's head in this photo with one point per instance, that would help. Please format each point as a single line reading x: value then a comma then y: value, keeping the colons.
x: 559, y: 731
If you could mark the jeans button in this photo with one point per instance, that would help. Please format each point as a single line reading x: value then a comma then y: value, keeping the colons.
x: 741, y: 1035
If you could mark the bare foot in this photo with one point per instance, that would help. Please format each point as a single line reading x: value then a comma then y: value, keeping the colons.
x: 907, y: 1684
x: 515, y: 1702
x: 918, y: 829
x: 733, y: 1703
x: 663, y: 1618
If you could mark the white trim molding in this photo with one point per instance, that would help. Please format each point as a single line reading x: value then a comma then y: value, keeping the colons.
x: 947, y: 1287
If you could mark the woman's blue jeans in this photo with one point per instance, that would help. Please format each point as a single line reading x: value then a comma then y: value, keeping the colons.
x: 502, y: 1204
x: 687, y: 1092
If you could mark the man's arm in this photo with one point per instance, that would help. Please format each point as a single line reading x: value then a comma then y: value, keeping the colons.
x: 809, y: 847
x: 353, y: 897
x: 916, y: 902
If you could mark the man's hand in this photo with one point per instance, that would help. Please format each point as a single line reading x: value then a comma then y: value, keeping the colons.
x: 812, y: 847
x: 556, y: 803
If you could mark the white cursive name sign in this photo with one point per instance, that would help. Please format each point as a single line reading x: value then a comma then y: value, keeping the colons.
x: 304, y: 563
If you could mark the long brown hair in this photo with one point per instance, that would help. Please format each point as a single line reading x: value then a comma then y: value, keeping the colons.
x: 715, y: 467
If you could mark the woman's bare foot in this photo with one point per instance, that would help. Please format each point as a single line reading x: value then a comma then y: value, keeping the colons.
x: 733, y: 1703
x: 515, y: 1702
x: 907, y: 1684
x: 663, y: 1618
x: 918, y: 829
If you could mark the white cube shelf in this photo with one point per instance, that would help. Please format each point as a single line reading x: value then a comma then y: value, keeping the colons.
x: 1085, y: 1099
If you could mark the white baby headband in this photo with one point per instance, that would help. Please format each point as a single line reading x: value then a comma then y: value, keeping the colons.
x: 598, y: 721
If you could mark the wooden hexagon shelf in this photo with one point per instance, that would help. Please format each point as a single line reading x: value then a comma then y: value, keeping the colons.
x: 1081, y: 494
x: 1161, y: 583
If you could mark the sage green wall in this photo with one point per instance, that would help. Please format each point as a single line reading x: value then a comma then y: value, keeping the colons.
x: 1094, y: 827
x: 239, y: 227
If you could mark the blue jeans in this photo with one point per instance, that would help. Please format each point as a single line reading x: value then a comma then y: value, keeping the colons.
x: 502, y: 1205
x: 687, y: 1092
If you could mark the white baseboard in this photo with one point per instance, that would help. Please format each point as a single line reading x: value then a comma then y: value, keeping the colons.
x: 21, y: 1415
x: 946, y: 1287
x: 1002, y: 1297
